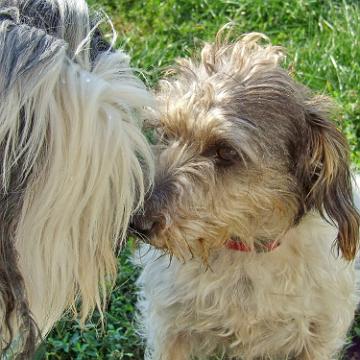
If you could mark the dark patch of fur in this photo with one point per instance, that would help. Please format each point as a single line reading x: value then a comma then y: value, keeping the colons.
x: 12, y: 288
x: 327, y: 180
x: 98, y: 45
x: 14, y: 301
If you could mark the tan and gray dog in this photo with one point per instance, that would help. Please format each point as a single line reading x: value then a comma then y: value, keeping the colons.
x: 253, y: 209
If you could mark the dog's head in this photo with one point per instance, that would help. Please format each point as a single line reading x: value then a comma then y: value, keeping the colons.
x: 72, y: 160
x: 244, y: 153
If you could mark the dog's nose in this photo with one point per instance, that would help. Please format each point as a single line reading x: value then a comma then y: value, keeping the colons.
x: 144, y: 226
x: 150, y: 221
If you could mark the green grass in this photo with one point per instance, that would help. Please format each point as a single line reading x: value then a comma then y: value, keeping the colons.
x: 322, y: 38
x: 118, y: 340
x: 323, y: 42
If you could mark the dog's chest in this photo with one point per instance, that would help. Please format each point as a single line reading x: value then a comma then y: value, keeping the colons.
x: 240, y: 299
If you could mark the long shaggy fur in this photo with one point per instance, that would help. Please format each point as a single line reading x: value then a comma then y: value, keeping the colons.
x: 72, y: 162
x: 247, y: 155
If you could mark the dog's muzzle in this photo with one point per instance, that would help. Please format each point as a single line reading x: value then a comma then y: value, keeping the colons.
x: 142, y: 227
x: 145, y: 226
x: 150, y: 221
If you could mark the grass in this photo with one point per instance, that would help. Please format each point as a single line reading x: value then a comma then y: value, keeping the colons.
x: 118, y: 340
x: 323, y: 42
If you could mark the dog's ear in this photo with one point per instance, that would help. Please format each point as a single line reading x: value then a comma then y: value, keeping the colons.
x: 327, y: 178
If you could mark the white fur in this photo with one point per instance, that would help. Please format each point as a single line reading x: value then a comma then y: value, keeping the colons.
x: 251, y: 305
x: 81, y: 200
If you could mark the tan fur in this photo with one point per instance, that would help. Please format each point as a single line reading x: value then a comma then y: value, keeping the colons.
x: 287, y: 183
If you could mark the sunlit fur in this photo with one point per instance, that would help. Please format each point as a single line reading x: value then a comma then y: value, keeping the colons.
x: 288, y: 183
x: 72, y: 162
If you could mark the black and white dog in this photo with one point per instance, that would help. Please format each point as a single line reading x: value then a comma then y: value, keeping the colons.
x: 70, y: 168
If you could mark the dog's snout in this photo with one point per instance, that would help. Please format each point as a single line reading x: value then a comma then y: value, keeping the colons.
x: 148, y: 222
x: 145, y: 226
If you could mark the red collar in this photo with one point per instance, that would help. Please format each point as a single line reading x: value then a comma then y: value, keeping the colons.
x: 241, y: 246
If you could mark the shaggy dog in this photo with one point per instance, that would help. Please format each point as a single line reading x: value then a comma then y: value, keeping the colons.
x: 252, y: 214
x: 72, y: 163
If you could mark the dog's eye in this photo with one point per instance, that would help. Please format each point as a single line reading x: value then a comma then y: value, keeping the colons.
x: 227, y: 154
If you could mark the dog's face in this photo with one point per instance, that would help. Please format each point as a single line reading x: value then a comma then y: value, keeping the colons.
x: 244, y: 152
